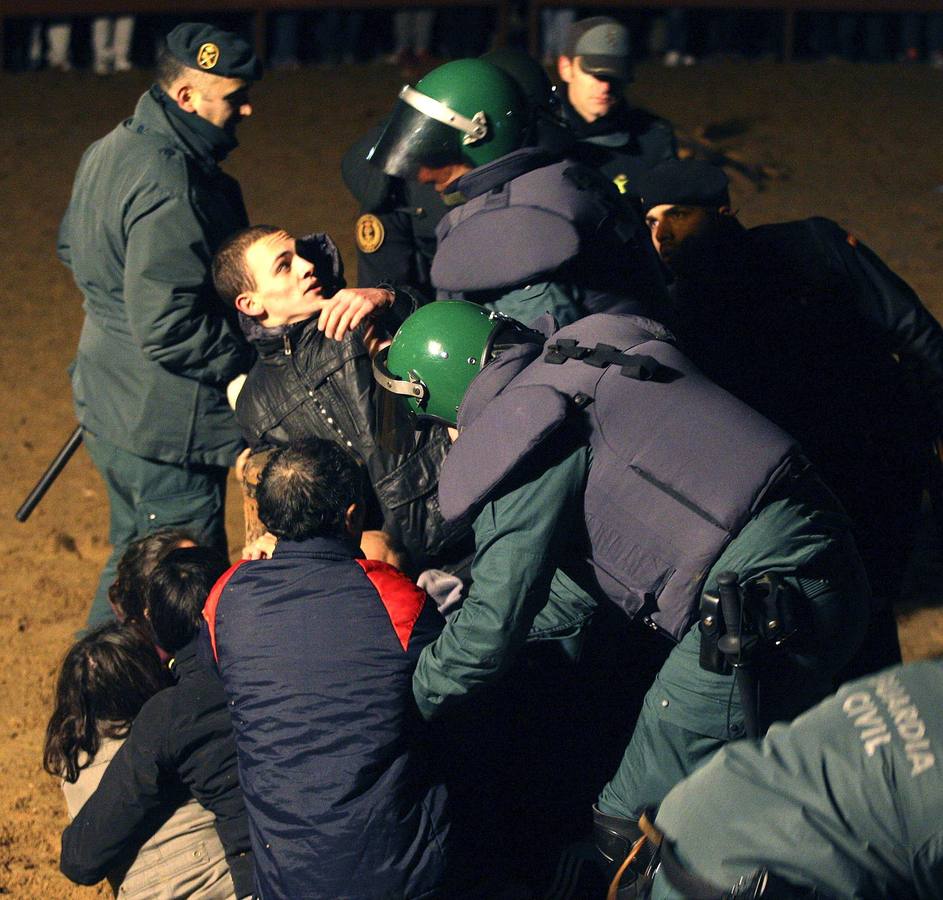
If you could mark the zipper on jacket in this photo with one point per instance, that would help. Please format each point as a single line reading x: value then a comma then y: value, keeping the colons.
x: 287, y: 342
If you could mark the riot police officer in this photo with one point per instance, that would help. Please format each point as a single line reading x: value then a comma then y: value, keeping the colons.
x: 530, y: 232
x: 395, y: 233
x: 600, y: 464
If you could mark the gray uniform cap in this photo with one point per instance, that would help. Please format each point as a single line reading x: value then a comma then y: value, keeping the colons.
x: 603, y: 45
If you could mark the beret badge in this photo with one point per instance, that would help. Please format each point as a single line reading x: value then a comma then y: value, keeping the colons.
x: 208, y: 55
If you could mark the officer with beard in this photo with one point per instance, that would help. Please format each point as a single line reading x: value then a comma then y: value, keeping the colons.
x: 149, y: 207
x: 807, y: 325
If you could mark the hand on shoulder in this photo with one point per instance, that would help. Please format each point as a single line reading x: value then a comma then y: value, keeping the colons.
x: 349, y: 307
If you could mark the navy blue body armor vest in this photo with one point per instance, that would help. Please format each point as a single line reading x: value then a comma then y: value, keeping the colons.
x: 678, y: 464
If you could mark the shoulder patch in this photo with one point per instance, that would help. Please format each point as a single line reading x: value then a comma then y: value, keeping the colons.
x: 402, y: 598
x: 370, y: 233
x: 621, y: 181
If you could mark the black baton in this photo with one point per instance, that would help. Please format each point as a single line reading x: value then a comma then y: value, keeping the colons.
x: 50, y: 475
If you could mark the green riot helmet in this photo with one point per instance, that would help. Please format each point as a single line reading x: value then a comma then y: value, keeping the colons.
x: 546, y: 124
x: 466, y: 111
x: 530, y: 76
x: 437, y: 352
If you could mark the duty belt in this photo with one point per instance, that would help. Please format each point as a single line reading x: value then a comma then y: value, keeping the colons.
x: 759, y: 884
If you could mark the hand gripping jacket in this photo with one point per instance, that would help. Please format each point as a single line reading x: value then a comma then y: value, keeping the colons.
x: 678, y: 464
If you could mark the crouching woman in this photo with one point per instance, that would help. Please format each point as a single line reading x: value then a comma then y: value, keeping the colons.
x: 105, y: 680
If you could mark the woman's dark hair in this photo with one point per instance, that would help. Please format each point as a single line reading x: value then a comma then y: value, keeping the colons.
x: 126, y: 593
x: 177, y: 591
x: 104, y: 681
x: 306, y: 488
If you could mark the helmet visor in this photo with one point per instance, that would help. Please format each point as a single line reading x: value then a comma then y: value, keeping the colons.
x: 396, y: 420
x: 412, y: 139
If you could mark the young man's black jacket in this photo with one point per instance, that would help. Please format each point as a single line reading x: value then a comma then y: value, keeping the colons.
x: 306, y: 385
x: 180, y: 746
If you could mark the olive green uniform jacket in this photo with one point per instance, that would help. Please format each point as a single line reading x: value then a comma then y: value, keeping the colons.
x: 149, y: 207
x: 846, y: 800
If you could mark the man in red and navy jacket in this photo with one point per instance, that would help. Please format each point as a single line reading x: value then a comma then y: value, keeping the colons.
x: 316, y: 648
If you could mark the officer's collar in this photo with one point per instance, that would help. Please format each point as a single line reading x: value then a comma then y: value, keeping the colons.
x: 497, y: 375
x: 205, y: 140
x: 501, y: 171
x: 610, y: 130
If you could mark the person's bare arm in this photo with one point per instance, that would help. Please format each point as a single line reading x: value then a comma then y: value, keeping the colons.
x: 248, y: 469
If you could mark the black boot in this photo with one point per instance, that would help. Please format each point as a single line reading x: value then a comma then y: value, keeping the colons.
x: 615, y: 836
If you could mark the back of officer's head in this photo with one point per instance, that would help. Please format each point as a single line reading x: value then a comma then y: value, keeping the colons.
x: 309, y: 489
x: 177, y: 590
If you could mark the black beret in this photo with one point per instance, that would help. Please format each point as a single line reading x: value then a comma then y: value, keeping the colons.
x: 684, y: 182
x: 209, y: 49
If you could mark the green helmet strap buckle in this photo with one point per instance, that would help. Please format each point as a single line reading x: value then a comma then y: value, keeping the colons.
x: 435, y: 355
x: 413, y: 388
x: 475, y: 129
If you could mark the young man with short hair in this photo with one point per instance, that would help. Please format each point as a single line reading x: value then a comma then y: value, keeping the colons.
x: 312, y: 378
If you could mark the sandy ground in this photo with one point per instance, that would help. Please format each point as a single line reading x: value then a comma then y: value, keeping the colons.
x: 857, y: 143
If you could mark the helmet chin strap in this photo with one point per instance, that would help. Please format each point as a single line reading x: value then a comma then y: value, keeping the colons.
x: 412, y: 388
x: 475, y: 129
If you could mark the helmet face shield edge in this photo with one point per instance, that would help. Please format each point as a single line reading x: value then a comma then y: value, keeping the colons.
x: 412, y: 139
x: 465, y: 111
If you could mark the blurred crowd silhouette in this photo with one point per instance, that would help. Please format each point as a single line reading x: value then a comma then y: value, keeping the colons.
x: 415, y: 37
